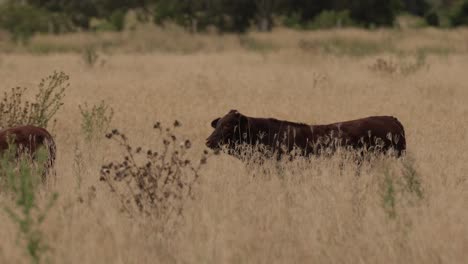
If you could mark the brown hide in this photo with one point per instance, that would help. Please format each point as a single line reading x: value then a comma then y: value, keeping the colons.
x: 28, y: 139
x: 374, y: 133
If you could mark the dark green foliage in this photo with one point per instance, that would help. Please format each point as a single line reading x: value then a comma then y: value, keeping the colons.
x: 196, y: 15
x: 304, y: 10
x: 363, y: 12
x: 293, y: 20
x: 432, y: 18
x: 117, y: 19
x: 240, y: 12
x: 265, y: 10
x: 22, y: 21
x: 370, y: 13
x: 331, y: 19
x: 185, y: 13
x: 417, y: 7
x: 80, y: 12
x: 459, y: 16
x: 226, y: 15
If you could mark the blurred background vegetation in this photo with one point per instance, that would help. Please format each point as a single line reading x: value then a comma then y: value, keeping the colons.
x: 21, y: 19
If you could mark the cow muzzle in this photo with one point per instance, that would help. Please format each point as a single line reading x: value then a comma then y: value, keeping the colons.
x: 212, y: 143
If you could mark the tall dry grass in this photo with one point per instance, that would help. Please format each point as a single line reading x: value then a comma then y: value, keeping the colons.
x: 173, y: 39
x: 318, y: 211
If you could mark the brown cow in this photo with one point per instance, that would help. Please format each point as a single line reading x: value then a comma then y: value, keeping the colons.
x: 28, y: 139
x: 372, y: 134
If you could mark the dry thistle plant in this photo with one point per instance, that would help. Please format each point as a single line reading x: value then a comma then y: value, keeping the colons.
x: 385, y: 66
x: 403, y: 67
x: 16, y: 110
x: 410, y: 67
x: 155, y: 182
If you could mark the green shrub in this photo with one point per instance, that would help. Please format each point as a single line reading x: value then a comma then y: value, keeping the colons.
x: 16, y: 110
x: 388, y: 194
x: 179, y: 12
x: 60, y: 23
x: 459, y: 15
x: 22, y: 21
x: 21, y: 178
x: 117, y: 19
x: 332, y: 19
x: 371, y: 13
x: 400, y: 186
x: 113, y: 22
x: 293, y: 20
x: 412, y: 180
x: 432, y: 18
x: 95, y: 120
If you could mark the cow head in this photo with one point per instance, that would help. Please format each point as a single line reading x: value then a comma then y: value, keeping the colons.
x: 229, y: 130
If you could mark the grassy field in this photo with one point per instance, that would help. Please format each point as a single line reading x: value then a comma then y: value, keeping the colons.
x: 313, y: 211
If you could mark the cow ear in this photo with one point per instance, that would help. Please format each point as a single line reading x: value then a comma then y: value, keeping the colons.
x: 214, y: 122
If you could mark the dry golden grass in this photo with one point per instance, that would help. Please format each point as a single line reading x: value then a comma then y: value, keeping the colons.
x: 314, y: 212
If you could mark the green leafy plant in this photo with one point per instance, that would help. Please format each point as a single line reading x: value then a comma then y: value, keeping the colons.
x: 459, y: 16
x: 389, y: 194
x: 15, y: 109
x: 90, y: 56
x: 432, y: 18
x: 95, y: 120
x: 21, y: 178
x: 398, y: 186
x: 293, y: 20
x: 412, y: 179
x: 22, y: 21
x: 117, y: 19
x: 332, y: 19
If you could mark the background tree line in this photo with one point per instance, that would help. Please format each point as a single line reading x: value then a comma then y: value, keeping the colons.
x: 25, y: 17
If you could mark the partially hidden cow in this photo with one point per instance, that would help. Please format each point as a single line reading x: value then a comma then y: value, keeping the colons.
x: 27, y: 140
x: 371, y: 134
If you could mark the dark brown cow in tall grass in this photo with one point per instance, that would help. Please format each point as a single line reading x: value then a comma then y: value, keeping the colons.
x: 27, y: 140
x: 371, y: 134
